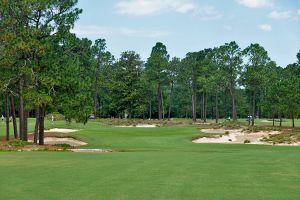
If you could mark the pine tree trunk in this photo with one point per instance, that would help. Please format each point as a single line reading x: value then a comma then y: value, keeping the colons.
x: 249, y: 118
x: 253, y: 107
x: 193, y: 108
x: 41, y: 124
x: 226, y: 106
x: 201, y: 111
x: 21, y: 110
x: 217, y: 109
x: 162, y: 104
x: 96, y: 95
x: 293, y: 120
x: 234, y: 112
x: 150, y: 109
x: 273, y: 120
x: 280, y: 120
x: 14, y: 118
x: 194, y: 101
x: 25, y: 132
x: 170, y: 105
x: 159, y: 102
x: 36, y: 128
x: 205, y: 107
x: 7, y: 116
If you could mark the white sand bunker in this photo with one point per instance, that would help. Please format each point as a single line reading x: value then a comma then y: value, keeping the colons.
x: 234, y: 136
x: 91, y: 150
x: 61, y: 130
x: 139, y: 126
x: 56, y: 140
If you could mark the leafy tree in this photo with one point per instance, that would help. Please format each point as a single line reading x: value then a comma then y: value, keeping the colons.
x: 172, y: 73
x: 126, y: 87
x: 216, y: 80
x: 256, y: 71
x: 231, y: 60
x: 156, y: 70
x: 291, y: 88
x: 190, y: 73
x: 102, y: 60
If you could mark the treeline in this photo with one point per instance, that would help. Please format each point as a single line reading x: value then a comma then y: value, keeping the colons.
x: 45, y: 68
x: 220, y: 82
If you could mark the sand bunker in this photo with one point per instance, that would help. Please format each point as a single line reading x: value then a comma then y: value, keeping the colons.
x: 139, y: 126
x: 71, y: 141
x: 235, y: 136
x: 61, y: 130
x: 91, y: 150
x: 62, y: 140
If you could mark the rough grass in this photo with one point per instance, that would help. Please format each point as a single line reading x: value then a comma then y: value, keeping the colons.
x: 158, y: 163
x: 286, y: 137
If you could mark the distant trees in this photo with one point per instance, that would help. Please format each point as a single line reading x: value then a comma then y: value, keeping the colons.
x: 126, y: 89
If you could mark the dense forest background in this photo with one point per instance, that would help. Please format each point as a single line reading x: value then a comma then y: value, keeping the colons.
x: 45, y: 68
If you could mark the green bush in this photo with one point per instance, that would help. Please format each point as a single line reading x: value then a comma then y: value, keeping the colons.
x: 57, y: 116
x: 19, y: 143
x: 63, y: 145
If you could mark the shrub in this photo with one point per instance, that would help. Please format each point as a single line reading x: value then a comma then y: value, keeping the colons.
x: 57, y: 116
x: 19, y: 143
x: 247, y: 141
x: 63, y: 145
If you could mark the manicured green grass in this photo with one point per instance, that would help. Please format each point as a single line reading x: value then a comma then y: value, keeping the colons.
x: 155, y: 163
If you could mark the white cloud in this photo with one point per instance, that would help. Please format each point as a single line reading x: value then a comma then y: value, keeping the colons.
x: 153, y: 7
x: 298, y: 12
x: 150, y: 7
x: 265, y: 27
x: 280, y: 15
x: 207, y: 13
x: 256, y: 3
x: 97, y: 31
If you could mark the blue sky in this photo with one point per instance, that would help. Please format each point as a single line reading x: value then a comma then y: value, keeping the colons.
x: 192, y: 25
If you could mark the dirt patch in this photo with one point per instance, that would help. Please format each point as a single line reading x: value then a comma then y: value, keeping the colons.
x: 236, y: 136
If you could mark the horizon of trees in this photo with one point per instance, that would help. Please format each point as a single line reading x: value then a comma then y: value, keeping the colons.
x: 45, y: 68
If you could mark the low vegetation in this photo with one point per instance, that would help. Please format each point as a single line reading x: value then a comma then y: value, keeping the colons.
x: 284, y: 138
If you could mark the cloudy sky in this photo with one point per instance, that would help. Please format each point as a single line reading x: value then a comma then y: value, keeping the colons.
x: 192, y: 25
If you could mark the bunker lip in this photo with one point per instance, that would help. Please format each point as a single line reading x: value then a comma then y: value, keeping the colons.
x: 237, y: 136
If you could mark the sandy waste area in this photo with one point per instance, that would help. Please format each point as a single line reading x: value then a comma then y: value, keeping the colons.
x: 236, y: 136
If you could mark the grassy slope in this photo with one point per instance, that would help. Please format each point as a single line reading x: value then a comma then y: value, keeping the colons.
x: 159, y: 163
